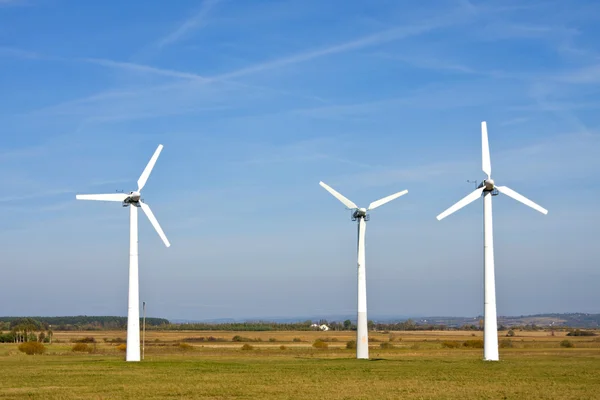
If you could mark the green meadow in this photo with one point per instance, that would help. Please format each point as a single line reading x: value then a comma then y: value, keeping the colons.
x: 286, y: 365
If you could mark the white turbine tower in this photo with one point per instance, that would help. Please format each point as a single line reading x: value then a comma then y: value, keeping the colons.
x: 133, y: 201
x: 489, y: 189
x: 360, y: 214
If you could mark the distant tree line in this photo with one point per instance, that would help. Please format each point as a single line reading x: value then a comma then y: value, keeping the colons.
x: 346, y: 325
x: 23, y: 330
x: 81, y: 322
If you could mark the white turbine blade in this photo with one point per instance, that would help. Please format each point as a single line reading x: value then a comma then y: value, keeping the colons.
x: 102, y: 197
x: 154, y: 223
x: 471, y: 197
x: 387, y: 199
x: 148, y: 169
x: 519, y: 197
x: 338, y: 196
x: 486, y: 164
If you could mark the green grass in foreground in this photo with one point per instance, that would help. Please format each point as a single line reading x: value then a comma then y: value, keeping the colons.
x: 329, y: 374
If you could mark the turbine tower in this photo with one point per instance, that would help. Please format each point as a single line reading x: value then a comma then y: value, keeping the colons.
x: 488, y: 188
x: 360, y: 215
x: 133, y: 201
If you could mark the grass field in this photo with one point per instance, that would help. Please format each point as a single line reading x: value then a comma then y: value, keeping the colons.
x: 417, y: 367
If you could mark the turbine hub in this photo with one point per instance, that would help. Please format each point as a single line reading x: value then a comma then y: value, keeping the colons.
x: 488, y: 184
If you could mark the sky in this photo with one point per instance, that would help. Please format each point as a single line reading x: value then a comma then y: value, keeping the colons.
x: 255, y: 103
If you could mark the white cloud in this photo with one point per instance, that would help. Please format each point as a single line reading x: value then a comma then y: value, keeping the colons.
x: 188, y: 25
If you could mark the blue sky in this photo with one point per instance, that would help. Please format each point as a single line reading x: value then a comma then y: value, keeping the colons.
x: 255, y: 103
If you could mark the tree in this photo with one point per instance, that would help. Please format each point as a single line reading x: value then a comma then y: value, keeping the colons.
x: 347, y: 324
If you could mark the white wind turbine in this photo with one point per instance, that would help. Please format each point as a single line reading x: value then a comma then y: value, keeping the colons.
x: 489, y: 189
x: 360, y: 214
x: 133, y: 201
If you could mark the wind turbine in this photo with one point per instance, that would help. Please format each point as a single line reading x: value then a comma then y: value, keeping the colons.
x: 133, y: 201
x: 360, y: 215
x: 488, y: 188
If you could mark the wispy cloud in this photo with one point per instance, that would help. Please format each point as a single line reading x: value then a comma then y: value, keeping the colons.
x: 515, y: 121
x: 7, y: 3
x: 146, y: 69
x: 36, y: 195
x: 429, y: 62
x: 540, y: 92
x: 360, y: 43
x: 505, y: 30
x: 378, y: 38
x: 17, y: 53
x: 585, y: 75
x: 357, y: 44
x: 188, y: 25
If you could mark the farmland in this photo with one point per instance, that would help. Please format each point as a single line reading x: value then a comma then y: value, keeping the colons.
x: 285, y: 365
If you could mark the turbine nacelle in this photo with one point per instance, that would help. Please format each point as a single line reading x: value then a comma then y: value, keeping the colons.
x: 488, y: 184
x: 133, y: 197
x: 360, y: 213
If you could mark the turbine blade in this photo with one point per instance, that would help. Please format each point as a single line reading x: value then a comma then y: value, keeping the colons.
x: 102, y: 197
x: 387, y: 199
x: 154, y: 223
x: 519, y: 197
x: 148, y: 169
x: 486, y: 164
x: 338, y: 196
x: 468, y: 199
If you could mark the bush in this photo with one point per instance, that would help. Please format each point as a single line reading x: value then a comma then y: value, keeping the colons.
x: 189, y: 339
x: 351, y: 344
x: 578, y: 332
x: 567, y: 344
x: 185, y: 347
x: 510, y: 333
x: 506, y: 344
x: 272, y: 339
x: 386, y: 345
x: 247, y: 347
x: 474, y: 344
x: 319, y: 344
x: 450, y: 344
x: 87, y: 339
x: 82, y: 347
x: 31, y: 348
x: 297, y: 339
x: 122, y: 347
x: 282, y: 347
